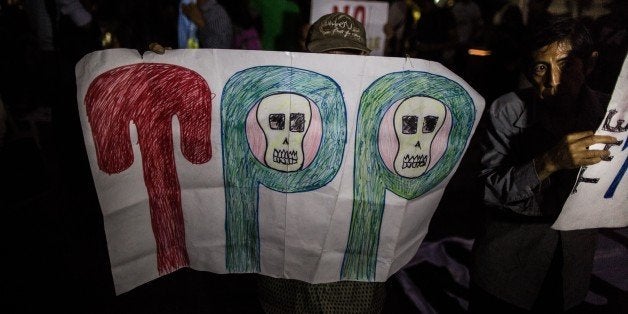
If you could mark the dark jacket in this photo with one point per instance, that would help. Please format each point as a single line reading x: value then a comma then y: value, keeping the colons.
x: 513, y: 255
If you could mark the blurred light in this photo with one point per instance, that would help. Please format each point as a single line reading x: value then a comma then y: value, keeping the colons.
x: 444, y: 3
x: 479, y: 52
x: 106, y: 40
x: 416, y: 15
x: 193, y: 43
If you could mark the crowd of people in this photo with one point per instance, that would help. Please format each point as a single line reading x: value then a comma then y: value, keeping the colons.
x: 442, y: 31
x: 494, y: 45
x: 49, y: 37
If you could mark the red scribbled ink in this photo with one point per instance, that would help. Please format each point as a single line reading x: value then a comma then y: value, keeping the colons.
x: 149, y: 95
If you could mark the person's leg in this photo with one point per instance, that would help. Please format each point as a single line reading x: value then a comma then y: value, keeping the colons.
x: 278, y: 295
x: 481, y: 302
x: 550, y: 299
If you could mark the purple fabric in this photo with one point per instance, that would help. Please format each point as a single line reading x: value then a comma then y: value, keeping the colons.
x: 609, y: 277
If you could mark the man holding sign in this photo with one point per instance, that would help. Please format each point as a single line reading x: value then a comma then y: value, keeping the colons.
x: 371, y: 14
x: 536, y: 140
x: 335, y: 33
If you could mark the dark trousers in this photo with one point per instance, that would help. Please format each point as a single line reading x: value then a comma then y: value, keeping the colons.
x: 550, y: 299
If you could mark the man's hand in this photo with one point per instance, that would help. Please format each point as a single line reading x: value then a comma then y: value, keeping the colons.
x: 572, y: 152
x: 158, y: 48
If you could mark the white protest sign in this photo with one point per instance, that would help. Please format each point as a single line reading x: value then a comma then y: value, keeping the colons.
x: 307, y: 166
x: 372, y: 14
x: 599, y: 198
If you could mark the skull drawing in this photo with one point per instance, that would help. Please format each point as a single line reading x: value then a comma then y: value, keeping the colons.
x: 284, y: 119
x: 416, y: 121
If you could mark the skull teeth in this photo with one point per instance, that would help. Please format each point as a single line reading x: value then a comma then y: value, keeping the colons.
x: 415, y: 161
x: 285, y: 157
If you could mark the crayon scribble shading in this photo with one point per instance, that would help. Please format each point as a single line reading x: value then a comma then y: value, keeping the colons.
x: 243, y: 172
x: 371, y: 175
x: 149, y: 95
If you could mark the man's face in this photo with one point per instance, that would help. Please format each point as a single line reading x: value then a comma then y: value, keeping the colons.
x: 548, y: 68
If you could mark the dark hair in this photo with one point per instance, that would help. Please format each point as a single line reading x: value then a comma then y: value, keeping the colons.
x: 560, y: 29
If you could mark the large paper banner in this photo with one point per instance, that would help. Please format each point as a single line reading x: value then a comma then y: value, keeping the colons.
x: 314, y: 167
x: 599, y: 198
x: 372, y: 14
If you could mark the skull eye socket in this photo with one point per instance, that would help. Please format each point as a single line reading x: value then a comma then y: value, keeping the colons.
x: 429, y: 124
x: 297, y: 122
x: 409, y: 124
x: 277, y: 121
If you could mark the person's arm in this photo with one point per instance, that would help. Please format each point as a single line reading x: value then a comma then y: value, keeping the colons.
x: 216, y: 30
x: 509, y: 184
x: 76, y: 11
x: 516, y: 185
x: 194, y: 14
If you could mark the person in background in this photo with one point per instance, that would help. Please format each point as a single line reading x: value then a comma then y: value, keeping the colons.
x: 611, y: 33
x: 469, y: 23
x: 335, y: 33
x: 535, y: 141
x: 215, y: 29
x: 280, y: 21
x: 468, y: 20
x: 76, y: 11
x: 394, y: 28
x: 245, y: 33
x: 78, y: 32
x: 503, y: 38
x: 431, y: 33
x: 537, y: 13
